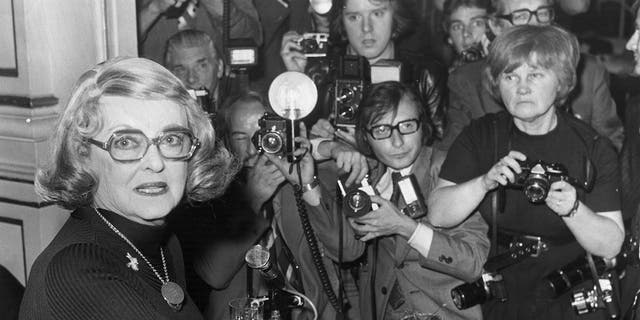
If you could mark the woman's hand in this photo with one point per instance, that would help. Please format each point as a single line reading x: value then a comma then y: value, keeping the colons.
x: 561, y: 198
x: 386, y: 220
x: 307, y: 169
x: 503, y: 172
x: 291, y: 52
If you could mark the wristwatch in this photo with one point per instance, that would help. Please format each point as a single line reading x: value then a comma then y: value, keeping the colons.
x: 573, y: 211
x: 310, y: 186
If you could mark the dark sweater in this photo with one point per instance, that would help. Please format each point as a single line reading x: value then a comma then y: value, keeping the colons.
x: 83, y: 273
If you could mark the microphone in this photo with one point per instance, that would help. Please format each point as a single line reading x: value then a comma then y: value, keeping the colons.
x: 258, y: 257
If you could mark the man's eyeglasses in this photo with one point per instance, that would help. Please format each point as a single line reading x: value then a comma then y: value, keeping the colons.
x: 384, y: 131
x: 131, y: 145
x: 544, y: 14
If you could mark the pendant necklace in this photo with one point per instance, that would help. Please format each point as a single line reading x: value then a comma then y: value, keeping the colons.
x: 171, y: 291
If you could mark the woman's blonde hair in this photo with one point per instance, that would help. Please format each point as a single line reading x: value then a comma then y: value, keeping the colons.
x: 64, y: 180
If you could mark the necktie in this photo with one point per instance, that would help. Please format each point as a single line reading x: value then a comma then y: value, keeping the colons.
x: 395, y: 195
x: 286, y: 263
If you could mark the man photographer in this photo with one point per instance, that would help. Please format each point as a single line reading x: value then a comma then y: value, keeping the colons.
x: 159, y: 19
x: 195, y: 59
x: 465, y: 22
x: 262, y: 197
x: 411, y: 266
x: 369, y: 29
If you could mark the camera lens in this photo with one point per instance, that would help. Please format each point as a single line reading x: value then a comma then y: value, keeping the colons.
x: 469, y: 295
x: 358, y: 203
x: 272, y: 142
x: 536, y: 187
x: 309, y: 45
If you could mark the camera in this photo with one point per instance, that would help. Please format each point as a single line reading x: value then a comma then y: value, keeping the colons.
x: 355, y: 198
x: 590, y: 300
x: 204, y: 99
x: 537, y: 176
x: 314, y: 44
x: 576, y: 272
x: 489, y: 286
x: 471, y: 54
x: 415, y: 207
x: 351, y: 77
x: 275, y: 136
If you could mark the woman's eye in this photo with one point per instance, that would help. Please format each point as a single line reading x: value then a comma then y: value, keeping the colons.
x: 125, y: 142
x: 173, y: 139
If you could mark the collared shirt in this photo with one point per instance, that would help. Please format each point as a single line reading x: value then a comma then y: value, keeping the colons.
x: 423, y: 235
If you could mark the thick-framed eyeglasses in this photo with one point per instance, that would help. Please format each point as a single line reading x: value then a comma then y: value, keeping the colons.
x: 132, y: 145
x: 384, y: 131
x: 544, y: 14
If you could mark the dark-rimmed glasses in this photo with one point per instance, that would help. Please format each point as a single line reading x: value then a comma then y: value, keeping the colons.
x: 544, y: 14
x: 384, y: 131
x: 132, y: 145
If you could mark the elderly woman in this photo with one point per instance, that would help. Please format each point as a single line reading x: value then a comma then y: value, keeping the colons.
x: 531, y: 69
x: 130, y: 145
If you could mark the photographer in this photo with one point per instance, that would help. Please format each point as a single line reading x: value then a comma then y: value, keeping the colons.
x: 531, y: 70
x: 260, y: 208
x: 369, y: 28
x: 465, y: 22
x: 195, y: 59
x: 411, y: 266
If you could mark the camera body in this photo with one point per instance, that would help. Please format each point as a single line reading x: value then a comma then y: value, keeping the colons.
x: 471, y: 54
x: 590, y: 300
x: 356, y: 200
x: 314, y: 44
x: 537, y: 176
x: 275, y: 136
x: 351, y: 76
x: 489, y: 286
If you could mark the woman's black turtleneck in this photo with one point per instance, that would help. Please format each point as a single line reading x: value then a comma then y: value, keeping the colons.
x: 84, y: 272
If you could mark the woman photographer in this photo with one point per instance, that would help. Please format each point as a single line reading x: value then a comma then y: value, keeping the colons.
x: 531, y: 69
x: 130, y: 144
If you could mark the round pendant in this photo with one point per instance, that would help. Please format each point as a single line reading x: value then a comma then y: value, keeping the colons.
x: 172, y: 294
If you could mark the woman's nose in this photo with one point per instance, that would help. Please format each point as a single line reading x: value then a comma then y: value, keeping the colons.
x: 153, y: 160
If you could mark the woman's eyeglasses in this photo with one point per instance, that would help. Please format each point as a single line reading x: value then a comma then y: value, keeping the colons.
x: 384, y: 131
x: 132, y: 145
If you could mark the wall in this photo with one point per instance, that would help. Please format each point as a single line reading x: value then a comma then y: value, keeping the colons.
x: 55, y: 42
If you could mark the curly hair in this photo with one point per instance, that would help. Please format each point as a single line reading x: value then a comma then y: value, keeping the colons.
x: 380, y: 99
x: 404, y: 18
x: 548, y: 47
x: 65, y: 182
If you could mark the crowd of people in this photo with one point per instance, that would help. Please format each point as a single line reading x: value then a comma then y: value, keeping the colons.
x: 499, y: 185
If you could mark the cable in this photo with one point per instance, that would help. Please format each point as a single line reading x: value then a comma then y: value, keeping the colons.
x: 312, y: 241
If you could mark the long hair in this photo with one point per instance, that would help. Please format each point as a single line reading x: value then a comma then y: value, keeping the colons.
x: 65, y: 182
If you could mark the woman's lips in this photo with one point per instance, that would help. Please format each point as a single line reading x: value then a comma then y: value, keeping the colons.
x: 152, y: 189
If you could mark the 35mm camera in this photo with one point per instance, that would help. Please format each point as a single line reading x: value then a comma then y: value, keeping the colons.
x: 314, y: 44
x: 537, y: 176
x: 275, y: 136
x: 489, y: 286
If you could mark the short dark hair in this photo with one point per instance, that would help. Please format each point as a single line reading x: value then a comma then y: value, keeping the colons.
x: 552, y: 47
x: 450, y: 6
x: 404, y: 17
x: 382, y: 98
x: 497, y: 6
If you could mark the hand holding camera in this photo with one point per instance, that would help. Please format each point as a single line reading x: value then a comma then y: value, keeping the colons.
x: 503, y: 172
x: 302, y: 155
x: 291, y: 52
x: 263, y: 180
x: 386, y: 220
